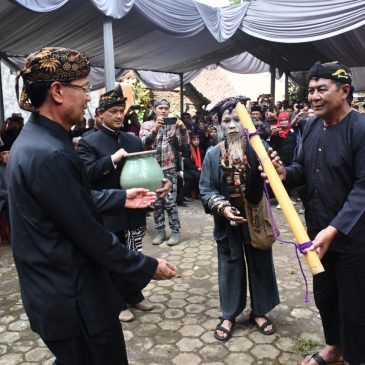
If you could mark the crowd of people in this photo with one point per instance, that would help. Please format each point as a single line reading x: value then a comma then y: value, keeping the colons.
x: 78, y: 275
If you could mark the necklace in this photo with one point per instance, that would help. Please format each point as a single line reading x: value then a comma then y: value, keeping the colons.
x: 236, y: 169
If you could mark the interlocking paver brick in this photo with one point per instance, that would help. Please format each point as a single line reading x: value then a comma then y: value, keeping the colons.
x: 179, y: 330
x: 189, y: 344
x: 265, y: 352
x: 186, y: 359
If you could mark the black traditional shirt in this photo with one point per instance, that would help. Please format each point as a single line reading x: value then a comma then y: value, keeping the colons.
x: 331, y: 163
x: 63, y: 253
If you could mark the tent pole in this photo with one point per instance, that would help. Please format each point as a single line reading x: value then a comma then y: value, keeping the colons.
x: 286, y: 86
x: 109, y: 68
x: 181, y: 94
x: 2, y: 111
x: 272, y: 83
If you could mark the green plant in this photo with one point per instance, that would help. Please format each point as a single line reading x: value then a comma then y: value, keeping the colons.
x: 305, y: 346
x: 296, y: 93
x: 234, y: 2
x: 142, y: 96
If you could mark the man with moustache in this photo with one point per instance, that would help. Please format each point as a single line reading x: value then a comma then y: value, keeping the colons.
x: 63, y: 253
x: 103, y: 154
x: 331, y: 163
x: 230, y: 170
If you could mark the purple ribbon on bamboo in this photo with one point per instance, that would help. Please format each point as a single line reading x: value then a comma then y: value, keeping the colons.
x: 298, y: 247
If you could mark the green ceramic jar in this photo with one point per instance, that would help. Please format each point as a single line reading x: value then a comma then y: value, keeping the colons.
x: 141, y: 170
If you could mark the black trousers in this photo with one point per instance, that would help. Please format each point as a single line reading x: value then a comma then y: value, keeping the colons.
x: 339, y: 293
x: 106, y: 348
x: 127, y: 294
x: 191, y: 181
x: 180, y: 189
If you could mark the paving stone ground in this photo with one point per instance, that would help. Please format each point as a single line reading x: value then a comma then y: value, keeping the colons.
x: 179, y: 330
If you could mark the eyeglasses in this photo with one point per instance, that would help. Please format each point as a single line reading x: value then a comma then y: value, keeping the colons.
x: 86, y: 88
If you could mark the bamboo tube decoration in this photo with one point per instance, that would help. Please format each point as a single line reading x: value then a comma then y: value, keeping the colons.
x: 279, y: 191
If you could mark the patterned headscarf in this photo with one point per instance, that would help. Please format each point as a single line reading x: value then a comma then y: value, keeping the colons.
x: 48, y: 65
x: 111, y: 98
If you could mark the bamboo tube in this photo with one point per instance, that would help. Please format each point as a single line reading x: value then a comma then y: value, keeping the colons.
x: 278, y: 189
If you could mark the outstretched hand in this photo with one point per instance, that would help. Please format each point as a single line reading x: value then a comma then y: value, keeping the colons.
x: 232, y: 214
x: 139, y: 198
x: 165, y: 270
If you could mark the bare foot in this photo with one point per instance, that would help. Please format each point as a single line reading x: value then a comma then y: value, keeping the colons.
x: 330, y: 354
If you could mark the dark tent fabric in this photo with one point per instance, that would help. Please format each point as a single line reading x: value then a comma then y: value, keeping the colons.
x: 183, y: 36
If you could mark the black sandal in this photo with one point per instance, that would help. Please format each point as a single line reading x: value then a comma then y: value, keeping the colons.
x: 320, y: 361
x: 261, y: 328
x: 223, y: 329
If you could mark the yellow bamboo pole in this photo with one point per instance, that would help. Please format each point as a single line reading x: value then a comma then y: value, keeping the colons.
x: 278, y: 189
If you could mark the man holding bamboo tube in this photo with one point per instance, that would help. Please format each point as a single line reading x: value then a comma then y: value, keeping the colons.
x: 331, y: 163
x: 230, y: 174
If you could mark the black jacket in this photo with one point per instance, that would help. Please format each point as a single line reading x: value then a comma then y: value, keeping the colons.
x: 213, y: 182
x: 95, y: 150
x: 62, y: 251
x: 331, y: 164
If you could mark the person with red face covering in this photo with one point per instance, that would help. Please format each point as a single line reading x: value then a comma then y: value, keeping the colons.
x: 283, y: 138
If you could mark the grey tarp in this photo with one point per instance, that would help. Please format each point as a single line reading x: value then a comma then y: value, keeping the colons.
x: 181, y: 36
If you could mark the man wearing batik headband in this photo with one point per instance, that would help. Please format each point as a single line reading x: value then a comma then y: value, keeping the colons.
x: 230, y: 171
x: 167, y: 140
x: 63, y: 253
x: 331, y: 164
x: 103, y: 154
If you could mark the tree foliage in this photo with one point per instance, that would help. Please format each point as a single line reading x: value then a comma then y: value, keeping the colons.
x: 142, y: 95
x: 235, y: 2
x: 296, y: 93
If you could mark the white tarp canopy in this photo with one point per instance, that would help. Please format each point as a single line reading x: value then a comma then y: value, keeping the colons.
x: 183, y: 36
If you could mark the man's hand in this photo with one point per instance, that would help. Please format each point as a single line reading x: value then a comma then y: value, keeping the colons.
x: 165, y: 270
x: 158, y: 124
x: 119, y: 155
x: 180, y: 124
x: 139, y: 198
x: 323, y: 241
x: 277, y: 163
x: 274, y: 131
x: 258, y: 124
x: 231, y: 214
x: 297, y: 118
x: 167, y: 186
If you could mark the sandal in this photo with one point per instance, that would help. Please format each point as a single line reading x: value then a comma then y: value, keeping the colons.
x: 223, y: 329
x: 261, y: 328
x: 321, y: 361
